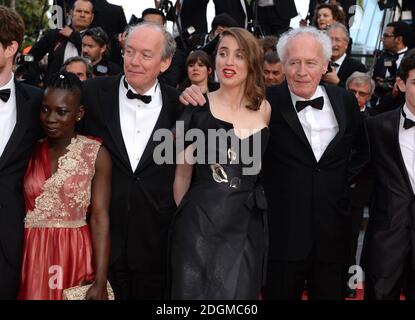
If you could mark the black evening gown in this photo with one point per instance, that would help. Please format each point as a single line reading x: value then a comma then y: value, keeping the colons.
x: 218, y: 238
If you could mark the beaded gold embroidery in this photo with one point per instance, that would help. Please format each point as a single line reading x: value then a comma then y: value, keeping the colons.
x: 67, y: 193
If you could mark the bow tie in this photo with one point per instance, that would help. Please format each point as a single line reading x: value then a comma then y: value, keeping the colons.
x: 316, y: 103
x: 131, y: 95
x: 408, y: 123
x: 5, y: 95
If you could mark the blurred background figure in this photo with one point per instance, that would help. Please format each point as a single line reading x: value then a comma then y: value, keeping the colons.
x: 95, y: 47
x: 79, y: 66
x: 273, y: 72
x: 274, y: 16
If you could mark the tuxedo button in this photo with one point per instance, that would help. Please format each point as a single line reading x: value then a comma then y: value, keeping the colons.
x: 137, y: 178
x: 316, y: 169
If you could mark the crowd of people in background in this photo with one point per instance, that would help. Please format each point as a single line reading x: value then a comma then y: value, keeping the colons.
x: 82, y: 197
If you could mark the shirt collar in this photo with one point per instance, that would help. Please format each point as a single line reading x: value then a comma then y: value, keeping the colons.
x: 150, y: 92
x: 408, y: 113
x: 10, y: 84
x: 341, y: 59
x: 317, y: 93
x: 402, y: 51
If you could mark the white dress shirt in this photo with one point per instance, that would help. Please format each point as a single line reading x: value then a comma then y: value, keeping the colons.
x: 320, y: 126
x: 401, y: 54
x: 8, y: 115
x: 407, y: 145
x: 137, y: 120
x: 340, y: 62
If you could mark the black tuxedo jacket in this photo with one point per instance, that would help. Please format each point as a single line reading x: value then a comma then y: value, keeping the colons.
x: 234, y: 9
x: 111, y: 18
x: 13, y: 164
x: 54, y: 44
x: 388, y: 234
x: 193, y: 13
x: 349, y: 66
x: 285, y: 9
x: 308, y: 203
x: 142, y: 201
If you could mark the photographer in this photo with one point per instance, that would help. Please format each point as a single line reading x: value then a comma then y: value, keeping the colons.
x: 396, y: 40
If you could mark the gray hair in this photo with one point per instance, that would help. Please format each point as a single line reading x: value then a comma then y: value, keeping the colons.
x: 361, y: 78
x: 311, y: 32
x: 338, y: 25
x: 169, y: 47
x: 88, y: 65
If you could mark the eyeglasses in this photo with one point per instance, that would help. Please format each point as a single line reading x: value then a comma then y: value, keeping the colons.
x: 360, y: 93
x: 386, y: 35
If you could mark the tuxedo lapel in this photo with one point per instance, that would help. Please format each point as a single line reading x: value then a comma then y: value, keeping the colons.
x: 164, y: 120
x: 290, y: 115
x: 22, y: 105
x: 339, y: 111
x: 111, y: 110
x: 393, y: 126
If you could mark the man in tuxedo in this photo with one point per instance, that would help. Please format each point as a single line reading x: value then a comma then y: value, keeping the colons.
x: 317, y: 146
x: 125, y: 111
x: 62, y: 44
x: 342, y: 66
x: 275, y: 15
x: 362, y: 86
x: 240, y: 10
x: 389, y: 243
x: 308, y: 167
x: 19, y: 129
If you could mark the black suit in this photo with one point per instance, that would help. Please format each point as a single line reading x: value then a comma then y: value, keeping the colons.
x: 308, y: 215
x: 234, y: 9
x: 111, y: 18
x: 193, y: 13
x: 388, y: 247
x: 275, y: 19
x: 349, y: 66
x: 54, y: 44
x: 13, y: 163
x: 142, y: 201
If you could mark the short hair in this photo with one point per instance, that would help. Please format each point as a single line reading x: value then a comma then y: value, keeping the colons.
x: 272, y: 57
x: 268, y: 43
x: 255, y: 85
x: 12, y: 27
x: 361, y: 78
x: 99, y: 36
x: 66, y: 81
x: 337, y: 13
x: 338, y: 25
x: 169, y: 47
x: 407, y: 64
x: 321, y: 37
x: 92, y: 2
x: 88, y: 65
x: 402, y: 29
x: 223, y: 20
x: 153, y: 11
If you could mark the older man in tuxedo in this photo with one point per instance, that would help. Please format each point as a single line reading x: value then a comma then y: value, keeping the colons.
x: 125, y: 111
x: 317, y: 146
x: 19, y: 129
x: 308, y: 167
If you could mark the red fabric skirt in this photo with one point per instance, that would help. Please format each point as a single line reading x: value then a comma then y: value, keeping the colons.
x: 54, y: 259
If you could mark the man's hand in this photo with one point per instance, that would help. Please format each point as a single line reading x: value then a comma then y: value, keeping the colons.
x: 66, y: 32
x: 192, y: 95
x: 331, y: 77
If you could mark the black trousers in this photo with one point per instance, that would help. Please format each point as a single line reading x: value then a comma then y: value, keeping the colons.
x: 390, y: 288
x: 9, y: 279
x: 131, y: 284
x: 286, y: 279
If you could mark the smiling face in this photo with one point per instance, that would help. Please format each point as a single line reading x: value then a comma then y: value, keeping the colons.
x: 60, y: 112
x: 143, y: 58
x: 304, y: 65
x: 231, y: 64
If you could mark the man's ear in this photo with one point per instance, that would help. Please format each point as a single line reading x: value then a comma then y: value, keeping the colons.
x: 401, y: 84
x: 165, y: 64
x: 12, y: 49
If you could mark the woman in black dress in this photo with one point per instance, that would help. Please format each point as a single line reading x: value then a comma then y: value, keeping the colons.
x: 218, y: 236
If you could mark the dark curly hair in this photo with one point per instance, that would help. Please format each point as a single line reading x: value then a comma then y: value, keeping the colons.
x: 336, y: 11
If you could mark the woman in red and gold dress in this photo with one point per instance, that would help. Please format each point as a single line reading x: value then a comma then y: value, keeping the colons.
x: 68, y: 176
